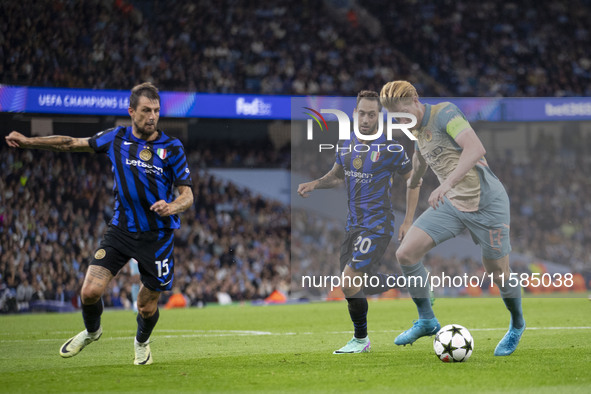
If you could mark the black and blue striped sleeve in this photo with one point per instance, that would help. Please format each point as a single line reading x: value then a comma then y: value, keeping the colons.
x: 101, y: 142
x: 405, y: 164
x: 180, y: 167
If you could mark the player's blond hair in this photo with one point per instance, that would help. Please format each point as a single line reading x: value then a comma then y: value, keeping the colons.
x: 396, y: 91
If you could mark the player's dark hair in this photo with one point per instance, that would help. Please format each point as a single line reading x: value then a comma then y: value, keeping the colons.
x: 146, y: 89
x: 369, y: 95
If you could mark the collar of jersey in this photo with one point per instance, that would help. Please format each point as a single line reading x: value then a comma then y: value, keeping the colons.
x: 426, y: 116
x: 357, y: 141
x: 139, y: 140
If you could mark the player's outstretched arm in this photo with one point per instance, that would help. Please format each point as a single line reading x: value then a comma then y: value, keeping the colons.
x: 56, y: 143
x: 180, y: 204
x: 331, y: 179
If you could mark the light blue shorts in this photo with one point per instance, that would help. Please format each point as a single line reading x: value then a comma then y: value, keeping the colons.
x: 489, y: 227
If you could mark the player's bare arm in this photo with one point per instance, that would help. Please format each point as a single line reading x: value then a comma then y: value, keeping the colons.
x: 412, y: 200
x: 419, y: 167
x: 56, y: 143
x: 331, y: 179
x: 180, y: 204
x: 472, y: 151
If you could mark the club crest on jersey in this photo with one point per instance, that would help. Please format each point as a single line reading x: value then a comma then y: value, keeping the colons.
x: 101, y: 253
x: 374, y: 156
x: 161, y: 153
x: 145, y: 155
x: 357, y: 163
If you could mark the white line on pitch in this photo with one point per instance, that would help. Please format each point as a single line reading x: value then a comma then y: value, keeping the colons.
x: 242, y: 333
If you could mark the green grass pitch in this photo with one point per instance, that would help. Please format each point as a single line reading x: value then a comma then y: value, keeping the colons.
x: 289, y: 348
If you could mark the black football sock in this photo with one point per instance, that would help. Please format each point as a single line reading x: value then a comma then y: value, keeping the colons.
x: 145, y: 326
x: 91, y: 314
x: 358, y: 311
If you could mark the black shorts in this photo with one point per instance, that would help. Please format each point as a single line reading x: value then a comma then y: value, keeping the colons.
x: 152, y: 250
x: 362, y: 249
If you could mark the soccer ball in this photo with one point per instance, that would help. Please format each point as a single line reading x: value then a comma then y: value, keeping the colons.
x: 453, y: 343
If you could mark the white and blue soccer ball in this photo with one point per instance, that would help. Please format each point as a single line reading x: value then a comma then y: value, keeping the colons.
x: 453, y: 343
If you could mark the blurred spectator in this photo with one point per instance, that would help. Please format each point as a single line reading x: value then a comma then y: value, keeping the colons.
x: 176, y: 300
x: 24, y: 294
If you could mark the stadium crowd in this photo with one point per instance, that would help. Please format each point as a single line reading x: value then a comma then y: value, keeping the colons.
x: 471, y: 49
x: 232, y: 47
x: 491, y: 48
x: 229, y: 154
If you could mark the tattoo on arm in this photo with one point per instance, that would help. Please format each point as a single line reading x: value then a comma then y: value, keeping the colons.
x: 332, y: 178
x: 60, y: 143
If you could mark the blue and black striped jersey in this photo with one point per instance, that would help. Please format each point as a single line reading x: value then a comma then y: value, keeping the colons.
x: 145, y: 172
x: 369, y: 171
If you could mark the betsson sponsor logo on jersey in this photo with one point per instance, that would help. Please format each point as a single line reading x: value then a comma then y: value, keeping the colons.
x: 148, y: 168
x: 359, y: 177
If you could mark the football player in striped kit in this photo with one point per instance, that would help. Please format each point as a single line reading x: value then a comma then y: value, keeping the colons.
x: 147, y: 165
x: 367, y: 167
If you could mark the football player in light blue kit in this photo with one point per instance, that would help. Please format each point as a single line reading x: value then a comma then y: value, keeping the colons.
x: 469, y: 196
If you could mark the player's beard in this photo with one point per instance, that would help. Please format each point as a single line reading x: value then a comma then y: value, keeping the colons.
x: 144, y: 132
x: 372, y: 130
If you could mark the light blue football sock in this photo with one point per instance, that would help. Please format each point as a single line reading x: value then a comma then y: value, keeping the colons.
x: 416, y: 283
x: 511, y: 296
